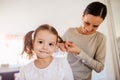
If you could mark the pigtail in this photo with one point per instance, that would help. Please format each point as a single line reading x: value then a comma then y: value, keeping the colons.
x: 28, y: 46
x: 60, y: 40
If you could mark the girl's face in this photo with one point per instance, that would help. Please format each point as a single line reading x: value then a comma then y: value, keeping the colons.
x: 90, y: 23
x: 44, y: 44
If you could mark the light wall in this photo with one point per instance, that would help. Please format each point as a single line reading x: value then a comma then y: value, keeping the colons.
x: 20, y: 16
x: 115, y: 4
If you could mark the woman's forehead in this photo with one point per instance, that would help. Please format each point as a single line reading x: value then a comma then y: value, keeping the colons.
x: 96, y: 20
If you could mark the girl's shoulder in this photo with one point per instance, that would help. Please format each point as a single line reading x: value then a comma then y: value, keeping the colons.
x: 28, y: 66
x: 60, y: 61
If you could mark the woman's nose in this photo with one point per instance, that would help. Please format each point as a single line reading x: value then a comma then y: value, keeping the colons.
x: 89, y: 28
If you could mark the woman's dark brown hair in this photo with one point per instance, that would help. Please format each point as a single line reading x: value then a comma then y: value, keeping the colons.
x: 96, y: 9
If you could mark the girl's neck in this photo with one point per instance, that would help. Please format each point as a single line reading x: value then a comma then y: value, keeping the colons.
x: 43, y: 63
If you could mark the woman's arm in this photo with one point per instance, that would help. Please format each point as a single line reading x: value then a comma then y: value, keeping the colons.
x: 96, y: 63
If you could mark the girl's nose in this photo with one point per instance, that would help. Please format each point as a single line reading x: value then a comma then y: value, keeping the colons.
x: 45, y: 46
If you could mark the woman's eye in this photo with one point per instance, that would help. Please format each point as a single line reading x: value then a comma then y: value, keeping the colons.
x: 87, y: 23
x: 95, y: 26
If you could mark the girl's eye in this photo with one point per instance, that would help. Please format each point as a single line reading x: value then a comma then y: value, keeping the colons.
x: 51, y: 44
x: 40, y: 42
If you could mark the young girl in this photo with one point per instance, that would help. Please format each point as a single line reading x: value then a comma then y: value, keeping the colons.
x: 42, y: 42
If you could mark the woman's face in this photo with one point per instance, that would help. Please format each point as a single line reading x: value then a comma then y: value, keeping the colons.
x: 44, y: 44
x: 90, y: 23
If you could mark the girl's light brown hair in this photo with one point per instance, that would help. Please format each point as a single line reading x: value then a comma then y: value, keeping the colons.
x: 31, y: 35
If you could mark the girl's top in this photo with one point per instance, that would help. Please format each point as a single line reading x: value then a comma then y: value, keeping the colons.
x: 58, y: 69
x: 92, y: 55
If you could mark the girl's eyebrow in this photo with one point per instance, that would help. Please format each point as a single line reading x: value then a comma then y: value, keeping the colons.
x: 52, y: 42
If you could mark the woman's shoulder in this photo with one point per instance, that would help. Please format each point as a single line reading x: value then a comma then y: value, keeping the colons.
x: 71, y: 28
x: 101, y: 36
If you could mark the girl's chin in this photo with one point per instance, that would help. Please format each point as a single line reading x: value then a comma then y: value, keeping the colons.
x: 42, y: 57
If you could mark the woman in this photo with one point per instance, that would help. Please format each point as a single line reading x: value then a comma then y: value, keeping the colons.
x: 86, y: 46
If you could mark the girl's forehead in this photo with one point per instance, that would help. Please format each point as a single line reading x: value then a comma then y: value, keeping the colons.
x: 45, y: 34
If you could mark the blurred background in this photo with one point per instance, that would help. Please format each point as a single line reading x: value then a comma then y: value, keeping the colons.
x: 17, y: 17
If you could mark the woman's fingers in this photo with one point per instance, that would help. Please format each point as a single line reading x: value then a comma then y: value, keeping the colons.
x: 62, y: 46
x: 68, y: 44
x: 72, y: 48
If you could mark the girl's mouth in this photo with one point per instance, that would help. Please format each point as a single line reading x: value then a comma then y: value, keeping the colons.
x: 44, y: 52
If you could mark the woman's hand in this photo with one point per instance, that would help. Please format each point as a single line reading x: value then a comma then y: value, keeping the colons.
x: 71, y: 47
x: 62, y: 46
